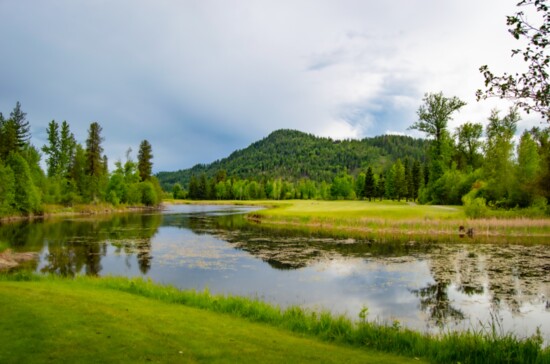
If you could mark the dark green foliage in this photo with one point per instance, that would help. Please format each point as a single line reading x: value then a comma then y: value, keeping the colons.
x: 293, y: 155
x: 193, y: 188
x: 67, y: 145
x: 94, y: 150
x: 202, y: 192
x: 145, y: 164
x: 21, y: 126
x: 417, y: 180
x: 381, y: 187
x: 8, y: 138
x: 360, y: 185
x: 95, y: 167
x: 409, y: 184
x: 370, y: 185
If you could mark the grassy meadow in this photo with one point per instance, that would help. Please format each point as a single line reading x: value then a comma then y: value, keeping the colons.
x: 52, y: 319
x: 391, y: 219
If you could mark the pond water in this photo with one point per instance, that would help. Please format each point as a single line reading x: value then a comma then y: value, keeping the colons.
x: 427, y: 285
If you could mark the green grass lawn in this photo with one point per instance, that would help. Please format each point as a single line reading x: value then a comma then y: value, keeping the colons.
x: 64, y: 321
x: 365, y: 209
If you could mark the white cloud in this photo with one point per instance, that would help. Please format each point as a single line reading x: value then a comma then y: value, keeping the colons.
x: 202, y: 78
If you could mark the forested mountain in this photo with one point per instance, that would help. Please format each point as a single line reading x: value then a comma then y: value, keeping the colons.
x: 292, y: 155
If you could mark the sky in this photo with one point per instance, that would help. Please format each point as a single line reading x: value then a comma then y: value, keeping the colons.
x: 200, y: 79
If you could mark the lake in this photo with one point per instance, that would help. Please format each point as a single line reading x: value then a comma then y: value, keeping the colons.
x: 429, y: 286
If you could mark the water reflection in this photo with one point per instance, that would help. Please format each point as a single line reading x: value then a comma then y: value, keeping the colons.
x: 427, y: 285
x: 74, y: 246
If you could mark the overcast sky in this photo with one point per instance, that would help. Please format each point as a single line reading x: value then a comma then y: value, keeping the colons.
x: 199, y: 79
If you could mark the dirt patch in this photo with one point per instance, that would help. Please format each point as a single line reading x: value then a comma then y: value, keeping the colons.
x: 9, y: 259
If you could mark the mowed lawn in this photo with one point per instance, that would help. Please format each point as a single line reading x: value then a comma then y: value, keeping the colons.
x: 64, y: 321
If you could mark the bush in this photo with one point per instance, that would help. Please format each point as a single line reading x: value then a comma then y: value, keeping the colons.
x: 148, y: 194
x: 475, y: 207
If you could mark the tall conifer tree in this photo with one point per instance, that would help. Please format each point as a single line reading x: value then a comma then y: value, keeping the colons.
x: 145, y: 165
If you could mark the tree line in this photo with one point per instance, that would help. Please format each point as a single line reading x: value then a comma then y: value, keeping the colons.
x: 481, y: 167
x: 75, y: 173
x: 402, y: 181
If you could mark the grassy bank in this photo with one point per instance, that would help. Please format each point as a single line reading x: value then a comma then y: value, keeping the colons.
x: 78, y: 210
x: 117, y: 320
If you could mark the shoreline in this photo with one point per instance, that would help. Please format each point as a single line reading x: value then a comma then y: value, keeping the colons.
x: 10, y: 260
x: 53, y: 211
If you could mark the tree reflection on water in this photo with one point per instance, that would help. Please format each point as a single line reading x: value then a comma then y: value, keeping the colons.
x: 507, y: 275
x: 78, y: 245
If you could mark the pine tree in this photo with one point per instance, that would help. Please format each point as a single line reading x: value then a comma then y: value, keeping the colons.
x: 202, y: 191
x: 416, y: 179
x: 360, y: 186
x: 53, y: 149
x: 95, y: 165
x: 67, y: 147
x: 408, y: 180
x: 8, y: 138
x: 77, y: 170
x: 22, y: 126
x: 399, y: 182
x: 145, y: 155
x: 94, y: 162
x: 380, y: 187
x: 193, y: 188
x: 370, y: 188
x: 2, y: 126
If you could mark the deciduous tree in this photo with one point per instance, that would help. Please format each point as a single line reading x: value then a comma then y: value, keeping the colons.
x: 529, y: 89
x: 433, y: 117
x: 469, y: 142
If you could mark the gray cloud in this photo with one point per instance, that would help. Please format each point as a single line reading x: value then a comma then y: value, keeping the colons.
x: 200, y: 79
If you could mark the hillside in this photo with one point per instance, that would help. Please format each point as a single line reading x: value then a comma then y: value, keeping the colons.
x: 292, y: 155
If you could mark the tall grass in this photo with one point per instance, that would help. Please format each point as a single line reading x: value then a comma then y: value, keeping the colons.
x: 392, y: 219
x: 486, y: 345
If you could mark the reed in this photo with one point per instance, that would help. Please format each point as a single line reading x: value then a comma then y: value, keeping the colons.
x: 361, y: 219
